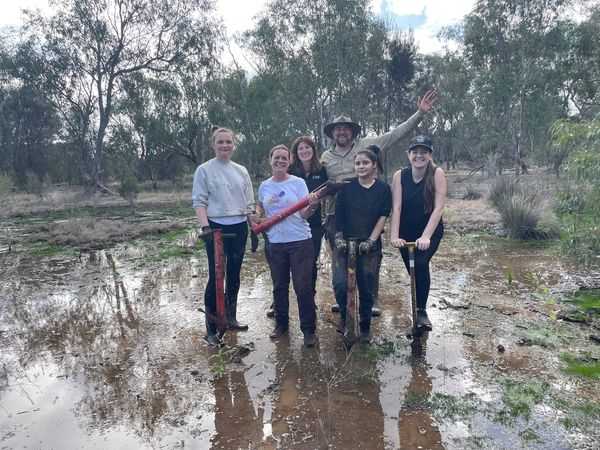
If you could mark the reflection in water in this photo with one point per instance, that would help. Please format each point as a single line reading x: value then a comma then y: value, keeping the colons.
x: 107, y: 350
x: 237, y: 423
x: 416, y: 427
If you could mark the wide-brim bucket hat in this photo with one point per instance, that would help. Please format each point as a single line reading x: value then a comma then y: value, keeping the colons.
x: 342, y: 119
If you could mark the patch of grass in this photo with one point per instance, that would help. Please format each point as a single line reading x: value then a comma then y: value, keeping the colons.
x: 380, y: 351
x: 174, y: 252
x: 416, y: 399
x: 472, y: 193
x: 43, y: 250
x: 453, y: 408
x: 586, y: 300
x: 582, y: 367
x: 584, y: 415
x: 358, y: 375
x: 173, y: 235
x: 518, y: 398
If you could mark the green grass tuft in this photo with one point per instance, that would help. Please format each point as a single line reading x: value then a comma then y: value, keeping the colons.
x: 584, y: 368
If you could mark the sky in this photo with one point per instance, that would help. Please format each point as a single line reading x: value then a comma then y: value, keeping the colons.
x: 425, y: 17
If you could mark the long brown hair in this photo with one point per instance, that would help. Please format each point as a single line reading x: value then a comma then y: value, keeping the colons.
x: 296, y: 167
x: 429, y: 191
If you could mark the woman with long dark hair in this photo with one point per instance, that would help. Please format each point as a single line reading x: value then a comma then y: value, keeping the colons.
x: 362, y: 208
x: 419, y: 196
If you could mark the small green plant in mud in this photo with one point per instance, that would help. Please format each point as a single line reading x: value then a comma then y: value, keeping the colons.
x: 380, y: 351
x: 518, y: 398
x: 453, y: 408
x: 220, y: 360
x: 530, y: 436
x: 43, y: 250
x: 175, y: 252
x: 509, y: 275
x: 584, y: 367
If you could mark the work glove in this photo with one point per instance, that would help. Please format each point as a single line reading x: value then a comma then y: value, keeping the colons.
x: 206, y: 235
x: 341, y: 245
x: 366, y: 246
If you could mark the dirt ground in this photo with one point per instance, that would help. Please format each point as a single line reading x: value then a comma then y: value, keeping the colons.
x: 103, y: 349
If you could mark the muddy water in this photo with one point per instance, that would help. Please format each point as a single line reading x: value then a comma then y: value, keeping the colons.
x: 106, y: 351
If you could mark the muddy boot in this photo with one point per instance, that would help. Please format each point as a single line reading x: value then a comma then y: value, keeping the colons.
x: 365, y: 336
x: 310, y: 338
x: 211, y: 337
x: 423, y: 322
x: 376, y: 311
x: 271, y: 311
x: 281, y: 329
x: 232, y: 323
x: 335, y: 308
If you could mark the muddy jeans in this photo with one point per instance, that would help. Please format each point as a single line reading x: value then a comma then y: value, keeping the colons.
x: 233, y: 249
x: 367, y: 276
x: 422, y: 277
x: 295, y: 257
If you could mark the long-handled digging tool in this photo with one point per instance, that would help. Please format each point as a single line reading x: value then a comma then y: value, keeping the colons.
x: 416, y: 331
x: 352, y: 321
x: 219, y: 253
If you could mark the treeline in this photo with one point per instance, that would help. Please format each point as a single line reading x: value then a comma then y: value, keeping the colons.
x: 112, y: 89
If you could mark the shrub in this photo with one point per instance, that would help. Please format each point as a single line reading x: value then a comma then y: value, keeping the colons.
x: 520, y: 210
x: 129, y: 189
x: 472, y: 193
x: 7, y: 184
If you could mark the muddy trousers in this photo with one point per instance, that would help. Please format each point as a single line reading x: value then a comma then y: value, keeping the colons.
x: 367, y: 281
x: 233, y: 249
x: 422, y: 276
x: 293, y: 258
x: 338, y: 270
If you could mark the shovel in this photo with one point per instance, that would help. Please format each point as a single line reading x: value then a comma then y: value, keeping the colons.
x: 218, y: 236
x: 352, y: 322
x: 416, y: 331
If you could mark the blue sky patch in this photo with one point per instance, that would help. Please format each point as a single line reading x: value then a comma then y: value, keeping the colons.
x: 410, y: 21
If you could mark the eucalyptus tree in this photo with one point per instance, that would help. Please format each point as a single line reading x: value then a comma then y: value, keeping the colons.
x: 95, y: 45
x: 511, y: 45
x: 28, y: 123
x: 319, y: 56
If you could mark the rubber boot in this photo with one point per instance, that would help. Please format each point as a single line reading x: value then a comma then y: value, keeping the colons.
x: 271, y: 310
x: 232, y: 322
x: 310, y: 338
x: 211, y: 337
x: 423, y: 322
x: 376, y: 311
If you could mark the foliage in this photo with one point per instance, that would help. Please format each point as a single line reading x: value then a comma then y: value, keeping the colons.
x: 582, y: 367
x: 519, y: 397
x: 577, y: 197
x: 129, y: 189
x: 7, y: 184
x: 519, y: 206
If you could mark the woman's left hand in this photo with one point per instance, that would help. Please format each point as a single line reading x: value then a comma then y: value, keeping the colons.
x: 423, y: 243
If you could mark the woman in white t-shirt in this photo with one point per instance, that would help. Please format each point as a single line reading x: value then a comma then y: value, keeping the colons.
x: 290, y: 245
x: 223, y: 198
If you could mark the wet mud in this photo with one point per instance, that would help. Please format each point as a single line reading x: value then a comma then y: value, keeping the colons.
x: 105, y: 350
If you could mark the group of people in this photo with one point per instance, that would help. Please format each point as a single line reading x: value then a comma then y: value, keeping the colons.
x: 224, y: 199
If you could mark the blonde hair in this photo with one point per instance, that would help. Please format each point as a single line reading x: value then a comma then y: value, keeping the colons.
x: 217, y: 130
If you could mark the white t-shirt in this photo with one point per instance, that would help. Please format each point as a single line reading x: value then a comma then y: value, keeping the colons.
x: 275, y: 197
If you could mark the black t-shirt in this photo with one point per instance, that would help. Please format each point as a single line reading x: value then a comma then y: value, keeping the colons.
x: 357, y: 209
x: 413, y: 218
x: 313, y: 181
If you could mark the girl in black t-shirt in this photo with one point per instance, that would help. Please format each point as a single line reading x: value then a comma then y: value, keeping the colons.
x: 362, y: 208
x: 419, y: 195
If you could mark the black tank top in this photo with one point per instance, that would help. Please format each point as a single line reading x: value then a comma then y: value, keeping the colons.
x: 413, y: 218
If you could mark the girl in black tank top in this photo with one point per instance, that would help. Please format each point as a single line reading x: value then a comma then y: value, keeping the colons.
x: 419, y: 194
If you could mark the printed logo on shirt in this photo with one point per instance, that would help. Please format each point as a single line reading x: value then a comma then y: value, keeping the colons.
x: 275, y: 198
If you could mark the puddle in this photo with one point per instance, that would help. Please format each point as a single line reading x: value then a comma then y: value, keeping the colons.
x: 105, y: 350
